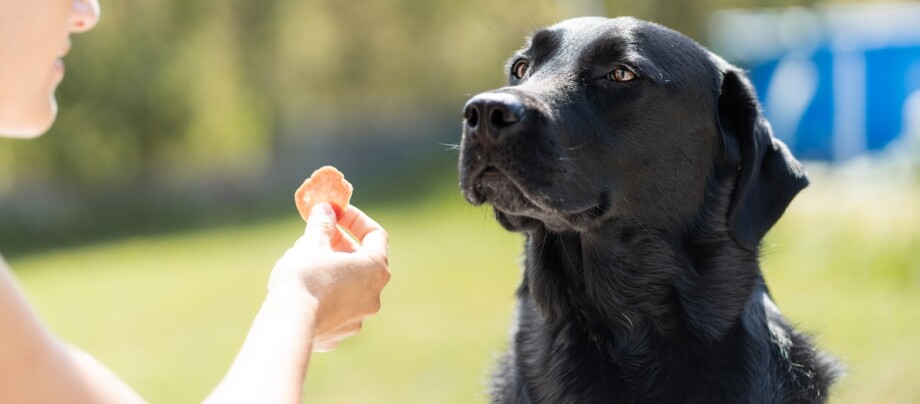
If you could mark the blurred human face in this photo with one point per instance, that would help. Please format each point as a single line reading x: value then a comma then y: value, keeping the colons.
x: 34, y: 36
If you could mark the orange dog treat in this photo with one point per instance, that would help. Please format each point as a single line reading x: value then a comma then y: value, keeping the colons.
x: 327, y: 184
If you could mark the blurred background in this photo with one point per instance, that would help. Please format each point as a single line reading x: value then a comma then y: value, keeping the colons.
x: 144, y: 225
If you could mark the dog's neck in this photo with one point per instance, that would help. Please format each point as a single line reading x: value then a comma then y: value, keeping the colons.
x: 625, y: 283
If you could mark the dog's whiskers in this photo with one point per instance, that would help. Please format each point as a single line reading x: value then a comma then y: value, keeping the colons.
x: 566, y: 251
x: 636, y: 218
x: 450, y: 146
x: 628, y: 320
x: 580, y: 146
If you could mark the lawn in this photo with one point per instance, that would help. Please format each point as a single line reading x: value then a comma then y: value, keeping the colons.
x: 168, y: 312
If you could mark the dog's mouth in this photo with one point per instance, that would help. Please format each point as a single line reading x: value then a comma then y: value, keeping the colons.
x: 491, y: 185
x: 519, y: 202
x: 517, y: 160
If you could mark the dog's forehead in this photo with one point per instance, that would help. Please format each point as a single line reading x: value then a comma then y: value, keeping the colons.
x: 587, y: 29
x: 578, y: 35
x: 666, y: 56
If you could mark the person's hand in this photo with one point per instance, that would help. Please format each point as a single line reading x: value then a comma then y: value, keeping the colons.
x: 341, y: 276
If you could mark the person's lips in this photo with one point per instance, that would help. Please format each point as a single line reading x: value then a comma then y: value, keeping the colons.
x: 59, y: 61
x: 65, y: 50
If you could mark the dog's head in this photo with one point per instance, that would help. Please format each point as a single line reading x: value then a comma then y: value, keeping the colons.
x: 621, y: 119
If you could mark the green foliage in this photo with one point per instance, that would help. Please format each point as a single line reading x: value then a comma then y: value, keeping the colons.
x: 184, y: 90
x: 167, y: 102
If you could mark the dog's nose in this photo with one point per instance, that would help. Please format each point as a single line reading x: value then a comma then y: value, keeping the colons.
x: 491, y: 115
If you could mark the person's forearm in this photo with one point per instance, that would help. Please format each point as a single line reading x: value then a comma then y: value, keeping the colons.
x: 23, y: 335
x: 271, y: 365
x: 37, y: 368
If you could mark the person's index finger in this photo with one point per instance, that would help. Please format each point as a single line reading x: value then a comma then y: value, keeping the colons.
x: 358, y: 223
x: 376, y: 245
x: 373, y: 238
x: 344, y: 242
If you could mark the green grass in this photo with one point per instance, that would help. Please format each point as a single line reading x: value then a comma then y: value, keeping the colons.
x: 168, y: 313
x: 844, y: 263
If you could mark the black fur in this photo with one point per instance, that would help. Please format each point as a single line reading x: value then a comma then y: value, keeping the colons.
x: 643, y: 203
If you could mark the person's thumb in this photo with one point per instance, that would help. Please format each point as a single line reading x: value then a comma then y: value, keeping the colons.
x: 321, y: 225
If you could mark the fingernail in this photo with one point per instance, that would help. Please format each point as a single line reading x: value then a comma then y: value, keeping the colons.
x: 322, y: 209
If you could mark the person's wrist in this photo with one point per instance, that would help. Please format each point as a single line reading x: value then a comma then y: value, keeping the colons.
x: 293, y: 300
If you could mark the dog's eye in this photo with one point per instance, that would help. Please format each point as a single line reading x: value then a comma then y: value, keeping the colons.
x: 519, y: 69
x: 621, y: 73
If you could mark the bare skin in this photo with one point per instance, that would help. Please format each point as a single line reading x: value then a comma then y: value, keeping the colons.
x: 34, y: 36
x: 319, y: 292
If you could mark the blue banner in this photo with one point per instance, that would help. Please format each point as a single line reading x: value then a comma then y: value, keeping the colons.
x: 834, y: 82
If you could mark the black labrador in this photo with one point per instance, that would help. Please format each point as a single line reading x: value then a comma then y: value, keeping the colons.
x: 644, y: 176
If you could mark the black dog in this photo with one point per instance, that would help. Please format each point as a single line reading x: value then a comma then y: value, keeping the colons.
x: 644, y: 176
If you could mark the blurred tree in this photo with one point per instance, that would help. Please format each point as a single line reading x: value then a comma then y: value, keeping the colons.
x: 180, y: 93
x: 181, y: 90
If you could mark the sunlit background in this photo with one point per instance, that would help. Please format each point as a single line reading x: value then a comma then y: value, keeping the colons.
x: 144, y: 225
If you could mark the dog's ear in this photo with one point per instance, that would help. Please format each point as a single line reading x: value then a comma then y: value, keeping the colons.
x: 768, y: 177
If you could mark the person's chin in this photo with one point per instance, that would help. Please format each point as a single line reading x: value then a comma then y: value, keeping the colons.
x: 32, y: 123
